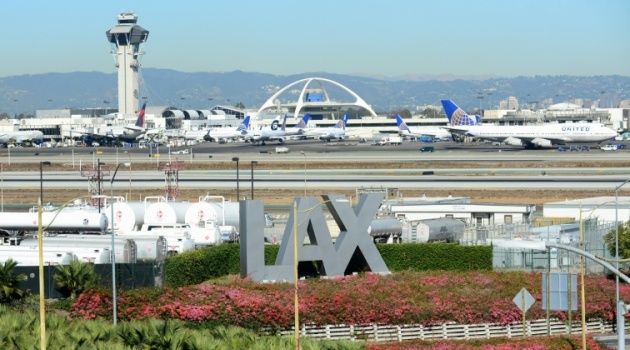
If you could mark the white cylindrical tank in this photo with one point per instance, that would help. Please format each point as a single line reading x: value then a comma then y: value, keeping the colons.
x: 128, y: 216
x: 151, y: 248
x: 63, y: 220
x: 31, y: 258
x: 166, y: 212
x: 217, y: 211
x: 125, y: 249
x: 89, y: 255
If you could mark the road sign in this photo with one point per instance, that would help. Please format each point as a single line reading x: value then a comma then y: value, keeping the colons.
x: 524, y: 300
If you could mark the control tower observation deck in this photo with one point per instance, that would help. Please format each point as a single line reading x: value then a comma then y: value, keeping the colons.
x: 126, y: 38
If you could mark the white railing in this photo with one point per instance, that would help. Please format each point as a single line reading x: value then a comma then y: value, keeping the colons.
x: 388, y: 333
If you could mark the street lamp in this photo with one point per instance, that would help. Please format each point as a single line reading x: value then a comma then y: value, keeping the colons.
x: 296, y: 326
x: 621, y: 339
x: 129, y: 154
x: 111, y: 205
x: 253, y: 163
x: 304, y: 154
x: 238, y: 194
x: 40, y: 243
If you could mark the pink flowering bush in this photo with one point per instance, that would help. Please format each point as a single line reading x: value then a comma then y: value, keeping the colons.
x: 427, y: 298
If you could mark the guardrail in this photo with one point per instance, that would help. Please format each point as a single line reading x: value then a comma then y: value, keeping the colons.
x: 388, y: 333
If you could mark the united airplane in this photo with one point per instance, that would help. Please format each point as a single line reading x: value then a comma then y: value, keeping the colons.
x: 404, y: 130
x: 336, y: 132
x: 529, y: 136
x: 228, y: 133
x: 25, y: 137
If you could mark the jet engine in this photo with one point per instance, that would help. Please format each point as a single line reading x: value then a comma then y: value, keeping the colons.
x: 513, y: 141
x: 541, y: 142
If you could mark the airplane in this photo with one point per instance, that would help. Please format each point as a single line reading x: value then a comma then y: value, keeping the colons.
x: 129, y: 133
x: 273, y: 134
x: 197, y: 135
x: 404, y: 130
x: 218, y: 134
x: 24, y: 137
x: 183, y: 151
x: 337, y: 132
x: 528, y: 136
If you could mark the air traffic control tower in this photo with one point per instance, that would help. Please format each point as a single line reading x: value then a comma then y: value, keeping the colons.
x: 126, y: 38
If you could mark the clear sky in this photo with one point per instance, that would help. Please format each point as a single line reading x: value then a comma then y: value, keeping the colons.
x: 282, y: 37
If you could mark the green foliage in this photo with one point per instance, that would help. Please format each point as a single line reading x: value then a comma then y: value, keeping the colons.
x: 624, y: 241
x: 438, y: 256
x: 75, y: 277
x: 201, y: 265
x: 9, y: 282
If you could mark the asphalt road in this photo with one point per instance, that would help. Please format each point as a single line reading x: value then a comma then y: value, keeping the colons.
x: 487, y: 175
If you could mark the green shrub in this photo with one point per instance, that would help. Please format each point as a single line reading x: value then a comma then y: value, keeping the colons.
x: 201, y: 265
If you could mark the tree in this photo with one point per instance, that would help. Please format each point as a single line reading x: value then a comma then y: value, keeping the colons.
x: 624, y: 241
x: 75, y: 277
x: 239, y: 105
x: 9, y: 282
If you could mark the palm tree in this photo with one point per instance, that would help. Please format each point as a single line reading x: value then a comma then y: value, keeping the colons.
x: 9, y: 282
x: 75, y: 277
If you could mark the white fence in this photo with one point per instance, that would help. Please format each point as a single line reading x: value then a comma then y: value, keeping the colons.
x: 388, y: 333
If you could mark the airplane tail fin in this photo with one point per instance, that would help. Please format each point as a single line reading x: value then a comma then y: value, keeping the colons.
x: 302, y: 124
x: 244, y: 125
x: 140, y: 120
x: 402, y: 126
x: 456, y: 115
x: 342, y: 123
x: 284, y: 123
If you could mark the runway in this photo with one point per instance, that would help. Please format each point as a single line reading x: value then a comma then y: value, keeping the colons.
x: 496, y: 167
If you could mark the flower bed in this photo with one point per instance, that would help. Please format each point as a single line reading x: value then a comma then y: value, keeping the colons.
x: 425, y: 298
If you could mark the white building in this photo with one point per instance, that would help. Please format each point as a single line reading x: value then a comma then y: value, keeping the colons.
x: 603, y: 208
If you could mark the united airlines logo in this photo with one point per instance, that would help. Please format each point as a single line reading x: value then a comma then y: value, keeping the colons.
x: 576, y: 128
x: 403, y: 126
x: 461, y: 118
x: 301, y: 124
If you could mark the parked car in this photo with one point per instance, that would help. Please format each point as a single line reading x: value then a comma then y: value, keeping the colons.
x: 586, y: 148
x: 575, y: 148
x: 609, y: 148
x: 427, y: 149
x: 562, y: 149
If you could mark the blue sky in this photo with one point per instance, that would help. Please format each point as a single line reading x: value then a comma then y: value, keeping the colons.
x: 386, y: 38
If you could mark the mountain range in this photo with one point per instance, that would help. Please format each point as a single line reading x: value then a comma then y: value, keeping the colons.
x: 202, y: 90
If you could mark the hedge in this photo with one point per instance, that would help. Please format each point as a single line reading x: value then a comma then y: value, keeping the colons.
x: 211, y: 262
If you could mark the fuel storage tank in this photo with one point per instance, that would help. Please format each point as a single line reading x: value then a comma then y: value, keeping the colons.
x: 125, y: 249
x: 166, y: 212
x: 128, y: 216
x: 433, y: 230
x: 225, y: 213
x: 150, y: 247
x: 66, y: 219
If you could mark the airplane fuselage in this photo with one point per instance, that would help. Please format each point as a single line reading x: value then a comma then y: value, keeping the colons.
x: 539, y: 135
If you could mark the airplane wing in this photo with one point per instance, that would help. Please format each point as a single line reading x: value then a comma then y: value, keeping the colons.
x: 424, y: 133
x: 535, y: 141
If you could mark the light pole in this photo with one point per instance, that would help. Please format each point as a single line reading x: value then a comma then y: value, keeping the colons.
x: 253, y: 163
x: 111, y: 206
x: 296, y: 301
x: 129, y: 154
x: 621, y: 339
x: 304, y: 154
x: 40, y: 243
x: 238, y: 194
